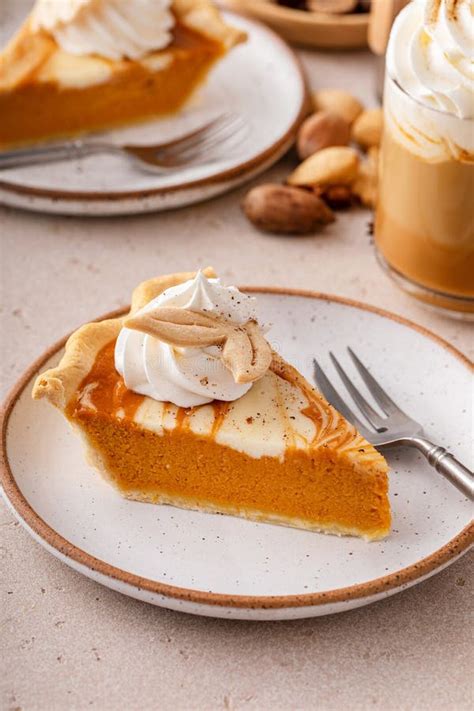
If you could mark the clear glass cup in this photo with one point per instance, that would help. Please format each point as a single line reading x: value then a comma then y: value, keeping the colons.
x: 424, y: 227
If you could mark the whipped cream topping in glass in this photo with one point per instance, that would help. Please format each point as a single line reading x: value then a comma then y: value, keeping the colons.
x: 430, y: 59
x: 185, y: 377
x: 431, y: 52
x: 114, y: 29
x: 423, y: 228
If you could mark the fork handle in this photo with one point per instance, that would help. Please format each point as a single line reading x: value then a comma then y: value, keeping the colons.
x: 447, y: 465
x: 51, y: 154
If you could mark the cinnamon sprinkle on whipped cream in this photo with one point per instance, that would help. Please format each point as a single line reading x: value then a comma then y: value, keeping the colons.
x: 196, y: 342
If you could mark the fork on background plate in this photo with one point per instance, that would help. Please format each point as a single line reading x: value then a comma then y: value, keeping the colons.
x: 200, y: 146
x: 396, y: 428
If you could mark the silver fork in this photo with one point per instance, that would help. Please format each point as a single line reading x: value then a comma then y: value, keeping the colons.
x: 193, y: 148
x: 396, y: 428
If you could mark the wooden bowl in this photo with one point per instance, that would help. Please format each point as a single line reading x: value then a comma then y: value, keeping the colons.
x: 310, y: 29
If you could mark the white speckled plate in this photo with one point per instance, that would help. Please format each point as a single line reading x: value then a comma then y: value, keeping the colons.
x: 228, y: 567
x: 261, y: 81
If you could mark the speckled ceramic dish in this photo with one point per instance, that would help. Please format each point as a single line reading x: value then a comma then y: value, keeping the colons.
x: 260, y: 79
x: 227, y: 567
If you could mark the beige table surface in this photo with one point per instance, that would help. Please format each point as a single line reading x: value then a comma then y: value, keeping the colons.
x: 66, y: 642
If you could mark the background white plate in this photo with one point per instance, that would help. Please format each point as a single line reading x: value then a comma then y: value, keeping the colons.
x: 261, y: 80
x: 227, y: 567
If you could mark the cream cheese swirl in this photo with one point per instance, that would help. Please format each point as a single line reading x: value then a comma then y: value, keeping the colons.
x: 186, y: 377
x: 114, y: 29
x: 431, y: 51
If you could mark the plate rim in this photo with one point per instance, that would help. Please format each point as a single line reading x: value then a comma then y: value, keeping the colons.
x: 224, y: 175
x: 458, y: 545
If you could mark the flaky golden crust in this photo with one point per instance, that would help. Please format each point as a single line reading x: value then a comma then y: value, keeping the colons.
x: 254, y: 515
x: 24, y: 55
x: 59, y: 384
x: 29, y: 49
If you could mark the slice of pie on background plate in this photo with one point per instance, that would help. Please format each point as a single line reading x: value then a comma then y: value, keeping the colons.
x: 278, y: 454
x: 47, y: 92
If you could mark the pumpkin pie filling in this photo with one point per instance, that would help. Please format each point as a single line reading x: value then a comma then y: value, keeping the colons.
x: 179, y: 464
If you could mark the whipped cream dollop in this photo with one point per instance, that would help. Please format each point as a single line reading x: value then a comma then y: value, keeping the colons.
x: 115, y: 29
x: 431, y: 51
x: 430, y: 59
x: 185, y: 377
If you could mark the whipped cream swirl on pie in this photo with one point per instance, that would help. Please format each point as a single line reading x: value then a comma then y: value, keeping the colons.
x: 115, y: 29
x: 185, y: 376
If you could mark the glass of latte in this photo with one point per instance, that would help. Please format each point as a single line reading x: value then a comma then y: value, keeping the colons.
x: 424, y: 227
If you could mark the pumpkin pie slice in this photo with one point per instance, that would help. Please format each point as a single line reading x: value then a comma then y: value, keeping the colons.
x: 278, y: 453
x: 53, y: 85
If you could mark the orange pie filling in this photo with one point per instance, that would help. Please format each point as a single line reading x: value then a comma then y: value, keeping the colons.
x: 313, y: 472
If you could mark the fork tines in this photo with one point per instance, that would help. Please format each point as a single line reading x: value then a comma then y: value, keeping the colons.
x: 383, y: 400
